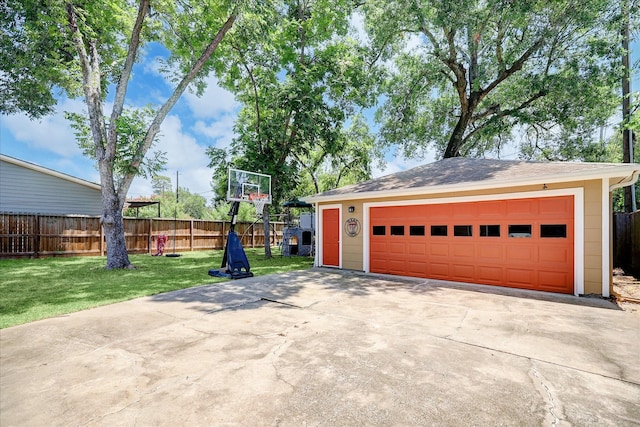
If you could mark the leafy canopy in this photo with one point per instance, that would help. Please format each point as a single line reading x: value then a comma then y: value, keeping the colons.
x: 301, y: 78
x: 469, y: 76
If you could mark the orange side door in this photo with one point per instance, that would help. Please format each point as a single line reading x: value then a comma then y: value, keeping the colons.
x: 331, y: 237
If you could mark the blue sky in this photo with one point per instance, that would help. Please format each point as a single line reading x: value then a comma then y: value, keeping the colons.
x: 194, y: 124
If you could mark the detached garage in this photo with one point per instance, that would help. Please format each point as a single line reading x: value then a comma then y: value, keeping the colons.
x: 529, y: 225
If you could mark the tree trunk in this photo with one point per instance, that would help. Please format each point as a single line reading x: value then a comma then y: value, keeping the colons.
x: 456, y: 139
x: 105, y: 142
x: 113, y: 225
x: 117, y: 256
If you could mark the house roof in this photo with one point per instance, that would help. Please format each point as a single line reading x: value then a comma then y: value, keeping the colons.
x: 463, y: 174
x: 48, y: 171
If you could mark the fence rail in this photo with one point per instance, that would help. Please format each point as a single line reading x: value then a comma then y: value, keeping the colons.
x: 626, y: 241
x: 28, y: 235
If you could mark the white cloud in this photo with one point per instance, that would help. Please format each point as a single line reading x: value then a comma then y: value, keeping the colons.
x: 213, y: 102
x: 357, y: 27
x: 52, y: 133
x: 153, y: 65
x: 180, y: 147
x: 414, y: 42
x: 184, y: 155
x: 220, y: 130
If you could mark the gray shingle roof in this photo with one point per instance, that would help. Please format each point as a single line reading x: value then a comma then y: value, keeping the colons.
x: 462, y: 172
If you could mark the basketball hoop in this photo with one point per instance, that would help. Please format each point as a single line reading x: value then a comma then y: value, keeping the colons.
x: 259, y: 200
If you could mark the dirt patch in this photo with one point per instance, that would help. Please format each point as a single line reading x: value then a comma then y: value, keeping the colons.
x: 626, y: 287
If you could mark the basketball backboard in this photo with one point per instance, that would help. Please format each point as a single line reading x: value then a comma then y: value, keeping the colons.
x: 245, y: 186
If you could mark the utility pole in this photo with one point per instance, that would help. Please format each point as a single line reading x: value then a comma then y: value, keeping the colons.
x: 627, y: 133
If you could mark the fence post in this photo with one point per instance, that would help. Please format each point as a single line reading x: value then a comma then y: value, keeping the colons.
x: 224, y: 235
x: 40, y: 235
x: 150, y: 237
x: 191, y: 235
x: 36, y: 237
x: 634, y: 237
x: 101, y: 238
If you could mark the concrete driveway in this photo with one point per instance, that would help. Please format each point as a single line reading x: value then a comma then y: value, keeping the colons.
x: 324, y: 347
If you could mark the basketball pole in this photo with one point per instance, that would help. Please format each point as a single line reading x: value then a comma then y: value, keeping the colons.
x: 235, y: 264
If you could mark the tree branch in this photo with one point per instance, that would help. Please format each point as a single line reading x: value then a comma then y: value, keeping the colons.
x: 90, y: 65
x: 177, y: 92
x: 434, y: 42
x: 123, y: 81
x: 499, y: 41
x: 255, y: 94
x: 498, y: 114
x: 517, y: 65
x: 460, y: 84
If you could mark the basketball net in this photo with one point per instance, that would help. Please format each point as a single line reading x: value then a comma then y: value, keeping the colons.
x: 259, y: 200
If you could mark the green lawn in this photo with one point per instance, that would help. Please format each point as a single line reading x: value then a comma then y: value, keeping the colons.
x: 33, y: 289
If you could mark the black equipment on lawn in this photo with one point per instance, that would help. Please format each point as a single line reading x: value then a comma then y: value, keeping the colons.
x: 242, y: 186
x: 235, y: 264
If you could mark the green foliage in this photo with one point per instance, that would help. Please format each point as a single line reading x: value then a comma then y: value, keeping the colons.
x: 38, y: 59
x: 607, y: 151
x: 322, y: 170
x: 634, y: 119
x: 132, y: 126
x: 220, y: 165
x: 92, y: 46
x: 480, y: 74
x: 246, y: 212
x: 613, y: 153
x: 300, y: 78
x: 78, y: 283
x: 161, y: 184
x: 188, y: 206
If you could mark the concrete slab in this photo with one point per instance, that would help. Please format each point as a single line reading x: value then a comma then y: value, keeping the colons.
x: 324, y: 347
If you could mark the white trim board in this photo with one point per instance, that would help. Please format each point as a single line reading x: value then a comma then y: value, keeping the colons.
x: 606, y: 246
x: 578, y: 222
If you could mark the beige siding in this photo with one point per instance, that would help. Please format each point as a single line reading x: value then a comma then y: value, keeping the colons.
x: 592, y: 237
x: 352, y: 247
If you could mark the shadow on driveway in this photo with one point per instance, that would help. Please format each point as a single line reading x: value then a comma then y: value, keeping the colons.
x: 327, y: 347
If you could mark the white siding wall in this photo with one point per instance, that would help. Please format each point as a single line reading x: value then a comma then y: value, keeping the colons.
x: 24, y: 190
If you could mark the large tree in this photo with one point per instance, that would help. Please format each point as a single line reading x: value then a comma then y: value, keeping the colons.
x: 299, y: 83
x: 468, y: 76
x: 349, y: 163
x: 89, y: 47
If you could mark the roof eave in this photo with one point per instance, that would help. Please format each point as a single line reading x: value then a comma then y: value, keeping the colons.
x: 626, y: 173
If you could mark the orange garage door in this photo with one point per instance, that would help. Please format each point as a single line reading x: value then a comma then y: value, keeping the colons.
x: 521, y: 243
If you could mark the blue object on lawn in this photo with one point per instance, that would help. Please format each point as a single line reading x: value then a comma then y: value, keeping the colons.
x: 237, y: 264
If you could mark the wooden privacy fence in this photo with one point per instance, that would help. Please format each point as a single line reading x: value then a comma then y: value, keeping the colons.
x: 51, y: 235
x: 626, y: 241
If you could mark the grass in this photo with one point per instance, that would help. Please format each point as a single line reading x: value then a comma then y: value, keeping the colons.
x: 34, y: 289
